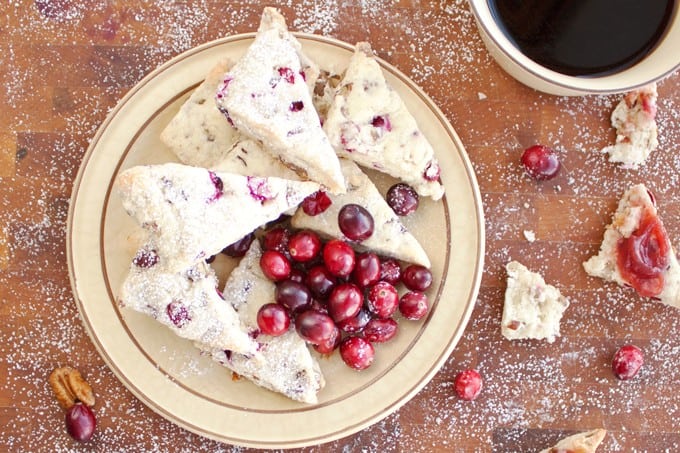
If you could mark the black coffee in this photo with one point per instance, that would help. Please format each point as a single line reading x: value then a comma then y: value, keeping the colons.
x: 583, y: 37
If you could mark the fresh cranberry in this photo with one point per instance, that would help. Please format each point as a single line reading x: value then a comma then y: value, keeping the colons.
x: 297, y: 275
x: 273, y: 319
x: 541, y: 162
x: 276, y: 239
x: 178, y: 313
x: 432, y: 171
x: 275, y: 265
x: 314, y: 326
x: 320, y: 281
x: 338, y: 257
x: 145, y: 258
x: 357, y: 352
x: 80, y: 422
x: 390, y: 271
x: 345, y: 302
x: 468, y: 384
x: 627, y: 362
x: 417, y: 277
x: 240, y: 247
x: 402, y: 198
x: 293, y: 295
x: 356, y: 323
x: 287, y: 74
x: 304, y: 246
x: 219, y: 186
x: 382, y: 299
x: 366, y: 270
x: 296, y: 106
x: 413, y: 305
x: 329, y: 345
x: 316, y: 203
x: 355, y: 222
x: 380, y: 330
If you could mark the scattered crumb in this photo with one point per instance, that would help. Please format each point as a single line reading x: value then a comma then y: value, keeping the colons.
x: 529, y: 235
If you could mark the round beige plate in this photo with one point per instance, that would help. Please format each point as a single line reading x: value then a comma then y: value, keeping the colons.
x: 166, y: 372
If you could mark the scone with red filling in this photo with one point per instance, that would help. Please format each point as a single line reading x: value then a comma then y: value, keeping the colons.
x: 636, y: 251
x: 369, y: 123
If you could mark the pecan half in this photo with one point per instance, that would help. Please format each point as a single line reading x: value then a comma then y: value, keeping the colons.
x: 69, y: 387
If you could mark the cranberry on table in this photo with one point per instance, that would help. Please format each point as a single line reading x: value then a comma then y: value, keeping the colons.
x: 345, y: 302
x: 275, y: 265
x: 390, y: 271
x: 304, y: 246
x: 355, y: 222
x: 468, y: 384
x: 314, y: 326
x: 80, y: 422
x: 382, y: 299
x: 320, y: 281
x: 338, y: 256
x: 380, y: 330
x: 417, y: 277
x: 366, y: 270
x: 413, y: 305
x: 402, y: 198
x: 273, y: 319
x: 292, y: 295
x: 240, y: 247
x: 627, y: 362
x: 541, y: 162
x: 357, y: 352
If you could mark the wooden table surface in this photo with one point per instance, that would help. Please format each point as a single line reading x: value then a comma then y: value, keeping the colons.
x: 64, y: 65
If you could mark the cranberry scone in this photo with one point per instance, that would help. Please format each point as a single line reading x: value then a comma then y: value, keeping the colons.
x: 287, y: 367
x: 369, y: 123
x: 636, y: 131
x: 188, y: 302
x: 636, y: 251
x: 248, y: 157
x: 390, y: 237
x: 198, y: 134
x: 266, y: 97
x: 532, y: 308
x: 586, y: 442
x: 194, y: 213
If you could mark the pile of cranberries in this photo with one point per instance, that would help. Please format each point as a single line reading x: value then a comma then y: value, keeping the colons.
x: 334, y: 296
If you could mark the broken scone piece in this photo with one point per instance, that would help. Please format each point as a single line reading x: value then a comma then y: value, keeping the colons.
x: 636, y: 251
x: 532, y: 308
x: 586, y: 442
x: 636, y: 132
x: 369, y: 123
x: 287, y: 366
x: 266, y: 96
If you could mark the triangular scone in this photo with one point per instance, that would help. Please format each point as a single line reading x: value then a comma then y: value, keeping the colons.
x: 532, y: 308
x: 247, y: 157
x: 198, y: 134
x: 586, y: 442
x: 287, y: 366
x: 636, y: 132
x: 390, y: 237
x: 193, y: 213
x: 266, y: 97
x: 188, y: 302
x: 369, y: 124
x: 636, y: 232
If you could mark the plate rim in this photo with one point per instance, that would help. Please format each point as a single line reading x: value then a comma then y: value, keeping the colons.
x: 375, y: 417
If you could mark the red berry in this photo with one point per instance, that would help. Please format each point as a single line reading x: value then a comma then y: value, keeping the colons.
x: 357, y: 352
x: 320, y: 281
x: 366, y: 270
x: 380, y: 330
x: 316, y: 203
x: 355, y: 324
x: 355, y: 222
x: 338, y: 257
x: 417, y: 278
x: 432, y: 171
x: 402, y: 198
x: 468, y: 384
x: 304, y: 246
x: 178, y: 313
x: 240, y: 247
x: 413, y: 305
x: 345, y: 302
x: 627, y: 362
x: 273, y: 319
x: 275, y: 265
x: 276, y: 239
x: 390, y: 271
x: 541, y: 162
x: 145, y: 258
x: 314, y: 326
x: 80, y: 422
x: 297, y: 276
x: 382, y: 299
x: 292, y: 295
x: 329, y: 345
